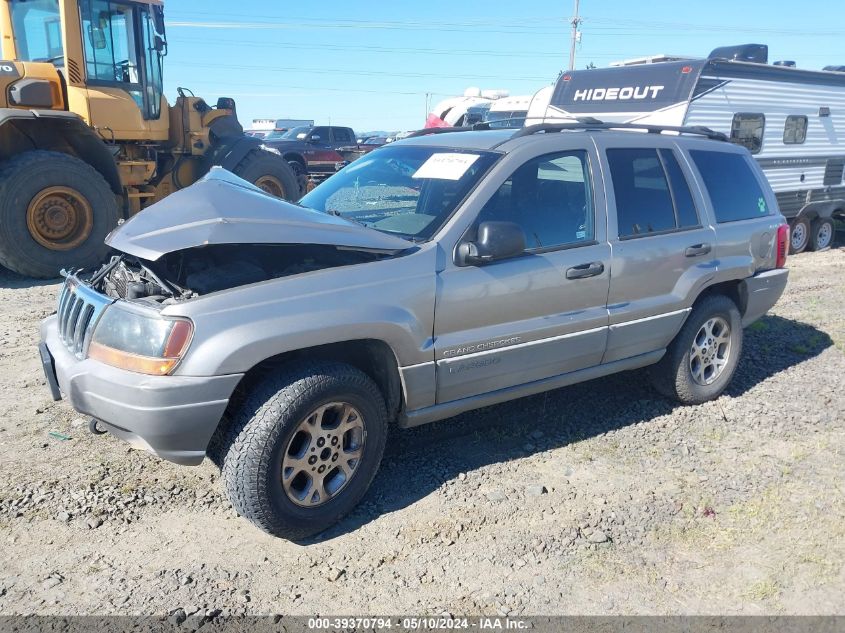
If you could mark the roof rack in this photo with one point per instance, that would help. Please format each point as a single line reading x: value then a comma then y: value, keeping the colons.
x: 437, y: 130
x: 589, y: 123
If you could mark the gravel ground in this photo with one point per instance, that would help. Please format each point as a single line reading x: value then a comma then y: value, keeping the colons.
x: 600, y: 498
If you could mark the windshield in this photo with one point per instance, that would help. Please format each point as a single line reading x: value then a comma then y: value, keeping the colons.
x: 409, y: 191
x: 37, y: 30
x: 297, y: 132
x: 506, y: 118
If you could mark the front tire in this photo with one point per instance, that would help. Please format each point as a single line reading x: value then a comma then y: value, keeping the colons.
x: 302, y: 448
x: 799, y: 236
x: 55, y: 212
x: 702, y: 359
x: 269, y: 172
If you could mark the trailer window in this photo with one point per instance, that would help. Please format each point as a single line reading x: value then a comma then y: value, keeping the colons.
x: 795, y: 129
x: 734, y: 189
x: 747, y: 130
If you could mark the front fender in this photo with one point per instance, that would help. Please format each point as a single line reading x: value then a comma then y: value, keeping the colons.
x: 232, y: 151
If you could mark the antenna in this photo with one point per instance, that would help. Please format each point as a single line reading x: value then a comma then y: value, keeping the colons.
x: 575, y: 36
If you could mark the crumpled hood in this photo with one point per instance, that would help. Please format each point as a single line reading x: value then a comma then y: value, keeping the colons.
x: 224, y: 209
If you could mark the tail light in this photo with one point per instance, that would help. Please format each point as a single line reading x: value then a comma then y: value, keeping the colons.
x: 782, y: 245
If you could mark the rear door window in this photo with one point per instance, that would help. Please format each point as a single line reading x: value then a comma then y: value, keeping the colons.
x: 735, y: 192
x: 643, y: 199
x: 681, y: 196
x: 342, y: 135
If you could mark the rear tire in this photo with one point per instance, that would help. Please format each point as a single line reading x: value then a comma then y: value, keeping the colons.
x: 256, y: 448
x: 270, y: 172
x: 711, y: 334
x: 55, y: 212
x: 799, y: 235
x: 823, y: 232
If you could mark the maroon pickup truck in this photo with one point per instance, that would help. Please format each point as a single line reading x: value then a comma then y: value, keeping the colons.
x: 313, y: 151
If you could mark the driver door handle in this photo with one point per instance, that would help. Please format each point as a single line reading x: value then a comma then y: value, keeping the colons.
x: 697, y: 249
x: 585, y: 270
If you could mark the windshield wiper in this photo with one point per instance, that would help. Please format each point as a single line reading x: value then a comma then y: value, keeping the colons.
x: 338, y: 214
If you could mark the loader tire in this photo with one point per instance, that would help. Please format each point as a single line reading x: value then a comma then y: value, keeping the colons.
x: 269, y: 172
x: 55, y: 212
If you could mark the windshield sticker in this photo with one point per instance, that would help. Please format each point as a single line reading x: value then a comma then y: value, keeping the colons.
x: 446, y: 166
x: 761, y: 204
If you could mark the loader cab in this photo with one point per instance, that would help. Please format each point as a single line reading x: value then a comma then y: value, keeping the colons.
x: 109, y: 54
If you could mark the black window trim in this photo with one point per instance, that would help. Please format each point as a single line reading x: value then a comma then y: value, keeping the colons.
x: 698, y: 224
x: 762, y: 133
x: 806, y: 126
x: 537, y: 250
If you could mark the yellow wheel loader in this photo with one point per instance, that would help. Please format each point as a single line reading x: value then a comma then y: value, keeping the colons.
x: 87, y: 137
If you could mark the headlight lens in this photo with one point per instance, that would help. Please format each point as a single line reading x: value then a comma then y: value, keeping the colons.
x: 140, y: 341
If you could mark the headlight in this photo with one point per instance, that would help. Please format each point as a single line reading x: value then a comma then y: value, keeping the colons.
x: 140, y: 341
x: 272, y: 150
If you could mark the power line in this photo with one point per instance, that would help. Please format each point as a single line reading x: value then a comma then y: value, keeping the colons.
x: 369, y: 48
x: 364, y: 73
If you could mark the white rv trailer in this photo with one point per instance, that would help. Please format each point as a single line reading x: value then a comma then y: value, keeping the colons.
x: 507, y: 112
x: 452, y: 112
x: 792, y: 120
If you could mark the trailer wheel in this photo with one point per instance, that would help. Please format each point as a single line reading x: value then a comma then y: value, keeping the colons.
x: 799, y: 235
x: 822, y: 234
x: 55, y: 212
x: 269, y: 172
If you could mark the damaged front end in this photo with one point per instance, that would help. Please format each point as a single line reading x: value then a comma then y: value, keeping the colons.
x: 223, y: 233
x: 193, y: 272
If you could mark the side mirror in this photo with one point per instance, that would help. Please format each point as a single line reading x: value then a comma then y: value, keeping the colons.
x: 314, y: 138
x: 97, y: 37
x: 496, y: 240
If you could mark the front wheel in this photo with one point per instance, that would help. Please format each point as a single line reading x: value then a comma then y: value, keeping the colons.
x: 701, y: 360
x: 302, y: 448
x: 270, y: 172
x: 799, y: 236
x: 55, y: 212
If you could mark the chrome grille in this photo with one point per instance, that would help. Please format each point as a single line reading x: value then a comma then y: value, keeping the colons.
x: 79, y: 309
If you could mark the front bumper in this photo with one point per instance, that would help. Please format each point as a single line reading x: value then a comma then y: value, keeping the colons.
x: 173, y: 417
x: 760, y: 292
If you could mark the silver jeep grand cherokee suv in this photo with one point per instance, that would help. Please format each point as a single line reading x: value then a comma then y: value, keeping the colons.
x: 433, y: 276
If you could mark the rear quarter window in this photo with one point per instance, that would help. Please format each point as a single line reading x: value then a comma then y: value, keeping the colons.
x: 734, y: 190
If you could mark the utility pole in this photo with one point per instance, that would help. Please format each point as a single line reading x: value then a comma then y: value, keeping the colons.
x: 575, y: 22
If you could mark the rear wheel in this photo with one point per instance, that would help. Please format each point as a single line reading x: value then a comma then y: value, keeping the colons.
x: 701, y: 360
x: 822, y: 234
x: 269, y: 172
x: 799, y: 235
x: 55, y: 212
x: 302, y: 448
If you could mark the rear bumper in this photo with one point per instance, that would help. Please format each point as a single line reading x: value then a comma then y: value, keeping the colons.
x: 173, y: 417
x: 761, y: 292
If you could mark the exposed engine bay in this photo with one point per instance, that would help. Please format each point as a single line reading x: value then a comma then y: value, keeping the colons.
x: 189, y: 273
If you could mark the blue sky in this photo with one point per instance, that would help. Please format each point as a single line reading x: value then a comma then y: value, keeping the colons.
x: 375, y: 65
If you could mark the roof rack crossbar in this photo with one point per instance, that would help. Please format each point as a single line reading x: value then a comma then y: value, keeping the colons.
x: 437, y: 130
x: 594, y: 124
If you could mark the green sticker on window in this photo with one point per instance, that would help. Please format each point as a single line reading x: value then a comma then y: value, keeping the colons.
x: 761, y: 204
